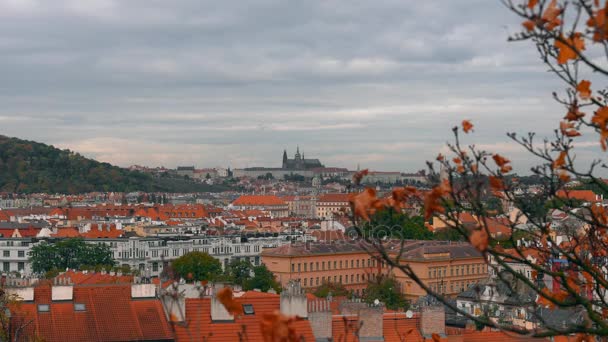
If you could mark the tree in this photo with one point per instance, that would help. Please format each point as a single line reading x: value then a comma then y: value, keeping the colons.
x: 263, y: 280
x: 333, y: 289
x: 571, y: 38
x: 69, y: 253
x: 385, y: 289
x: 198, y: 266
x: 239, y: 271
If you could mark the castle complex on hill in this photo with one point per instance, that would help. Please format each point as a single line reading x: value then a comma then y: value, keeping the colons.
x: 299, y: 162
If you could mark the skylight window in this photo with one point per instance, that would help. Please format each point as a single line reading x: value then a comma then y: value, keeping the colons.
x: 44, y: 308
x: 79, y: 307
x: 248, y: 309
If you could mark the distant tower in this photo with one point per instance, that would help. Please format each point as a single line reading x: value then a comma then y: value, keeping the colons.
x: 298, y: 153
x: 284, y: 159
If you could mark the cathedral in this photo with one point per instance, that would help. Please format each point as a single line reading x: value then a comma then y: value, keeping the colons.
x: 299, y: 162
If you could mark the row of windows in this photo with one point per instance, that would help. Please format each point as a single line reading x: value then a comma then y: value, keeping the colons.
x: 322, y: 266
x: 457, y: 270
x: 6, y: 266
x: 7, y: 254
x: 354, y: 279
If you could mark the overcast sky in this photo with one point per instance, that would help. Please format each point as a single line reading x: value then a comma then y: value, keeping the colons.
x: 233, y: 83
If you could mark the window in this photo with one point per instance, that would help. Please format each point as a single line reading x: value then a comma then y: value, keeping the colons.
x: 79, y: 307
x: 352, y: 278
x: 6, y: 254
x: 335, y: 263
x: 299, y: 270
x: 293, y: 266
x: 340, y: 263
x: 305, y: 267
x: 357, y: 263
x: 20, y: 266
x: 248, y: 309
x: 323, y: 265
x: 44, y: 308
x: 154, y: 267
x: 352, y: 263
x: 317, y: 266
x: 6, y: 267
x: 21, y: 254
x: 305, y: 282
x: 317, y: 281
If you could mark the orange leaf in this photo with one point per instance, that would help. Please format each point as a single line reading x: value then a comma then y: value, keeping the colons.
x: 440, y: 157
x: 365, y: 203
x: 600, y: 120
x: 479, y: 239
x: 574, y: 114
x: 584, y: 90
x: 506, y: 169
x: 432, y: 200
x: 436, y: 337
x: 529, y: 25
x: 561, y: 160
x: 225, y: 297
x: 358, y: 176
x: 569, y: 47
x: 551, y: 14
x: 496, y: 183
x: 276, y: 327
x: 467, y: 126
x: 532, y: 3
x: 599, y: 24
x: 500, y: 160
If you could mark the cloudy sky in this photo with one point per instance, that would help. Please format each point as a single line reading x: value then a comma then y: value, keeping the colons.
x: 233, y: 83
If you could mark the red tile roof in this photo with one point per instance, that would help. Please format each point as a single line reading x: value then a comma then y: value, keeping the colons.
x: 258, y: 200
x: 110, y: 315
x: 199, y: 326
x: 334, y: 198
x: 583, y: 195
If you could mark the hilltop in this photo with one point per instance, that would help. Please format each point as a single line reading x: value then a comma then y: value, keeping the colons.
x: 31, y: 167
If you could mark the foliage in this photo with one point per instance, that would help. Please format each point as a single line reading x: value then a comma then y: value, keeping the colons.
x: 69, y: 253
x: 386, y: 289
x: 335, y: 289
x: 31, y: 167
x: 263, y: 280
x: 198, y: 266
x: 395, y: 224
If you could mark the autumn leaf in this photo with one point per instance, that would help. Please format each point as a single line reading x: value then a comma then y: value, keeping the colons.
x: 574, y: 114
x: 358, y: 176
x: 584, y: 90
x: 560, y: 161
x: 529, y: 25
x: 276, y: 327
x: 440, y: 157
x: 496, y: 183
x: 600, y: 120
x: 436, y: 337
x: 479, y: 239
x: 551, y: 14
x: 599, y: 24
x: 365, y: 203
x: 467, y: 126
x: 500, y: 160
x: 225, y: 297
x: 569, y: 47
x: 432, y: 201
x: 532, y: 3
x: 567, y: 129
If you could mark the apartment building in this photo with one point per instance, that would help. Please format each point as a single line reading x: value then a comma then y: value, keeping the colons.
x: 312, y: 264
x: 150, y: 255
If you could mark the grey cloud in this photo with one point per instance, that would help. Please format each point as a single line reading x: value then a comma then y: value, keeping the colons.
x: 235, y: 82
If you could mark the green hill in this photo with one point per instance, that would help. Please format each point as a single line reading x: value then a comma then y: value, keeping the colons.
x: 30, y: 167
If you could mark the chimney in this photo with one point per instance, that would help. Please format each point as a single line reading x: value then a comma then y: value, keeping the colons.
x: 218, y: 311
x: 320, y: 318
x: 432, y: 320
x: 63, y: 291
x: 370, y: 316
x: 293, y: 300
